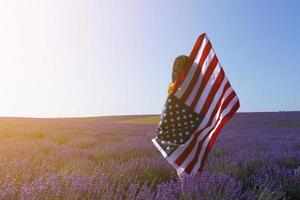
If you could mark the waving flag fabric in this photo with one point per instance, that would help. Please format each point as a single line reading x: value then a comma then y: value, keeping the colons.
x: 201, y: 102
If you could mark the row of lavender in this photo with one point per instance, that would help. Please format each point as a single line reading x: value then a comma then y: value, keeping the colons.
x: 257, y: 156
x: 271, y: 182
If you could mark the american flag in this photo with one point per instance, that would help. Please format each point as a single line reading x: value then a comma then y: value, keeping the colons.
x: 201, y: 102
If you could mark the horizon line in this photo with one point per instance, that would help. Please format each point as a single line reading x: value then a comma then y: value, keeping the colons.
x: 123, y: 115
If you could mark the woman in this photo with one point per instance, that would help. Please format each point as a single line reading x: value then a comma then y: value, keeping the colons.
x: 178, y: 66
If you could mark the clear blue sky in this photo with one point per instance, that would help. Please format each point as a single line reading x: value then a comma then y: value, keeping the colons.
x: 84, y: 58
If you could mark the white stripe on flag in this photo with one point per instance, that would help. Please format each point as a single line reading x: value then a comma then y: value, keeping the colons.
x: 159, y: 148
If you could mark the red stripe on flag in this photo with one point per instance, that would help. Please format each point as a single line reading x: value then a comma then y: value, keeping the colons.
x: 212, y: 92
x: 205, y: 79
x: 191, y: 165
x: 186, y: 152
x: 217, y: 131
x: 216, y: 108
x: 187, y: 92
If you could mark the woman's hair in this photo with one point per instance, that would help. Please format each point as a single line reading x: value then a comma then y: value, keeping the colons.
x: 178, y: 66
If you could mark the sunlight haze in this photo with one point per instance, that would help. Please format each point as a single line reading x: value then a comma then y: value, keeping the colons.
x: 64, y: 58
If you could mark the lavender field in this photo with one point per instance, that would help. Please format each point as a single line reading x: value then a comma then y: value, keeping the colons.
x: 256, y: 156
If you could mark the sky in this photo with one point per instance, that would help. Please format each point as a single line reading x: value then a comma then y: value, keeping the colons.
x: 73, y: 58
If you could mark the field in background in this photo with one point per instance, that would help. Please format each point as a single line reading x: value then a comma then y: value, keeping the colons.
x: 142, y: 120
x: 256, y: 156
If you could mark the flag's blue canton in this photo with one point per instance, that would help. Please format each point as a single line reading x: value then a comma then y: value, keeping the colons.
x: 177, y: 123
